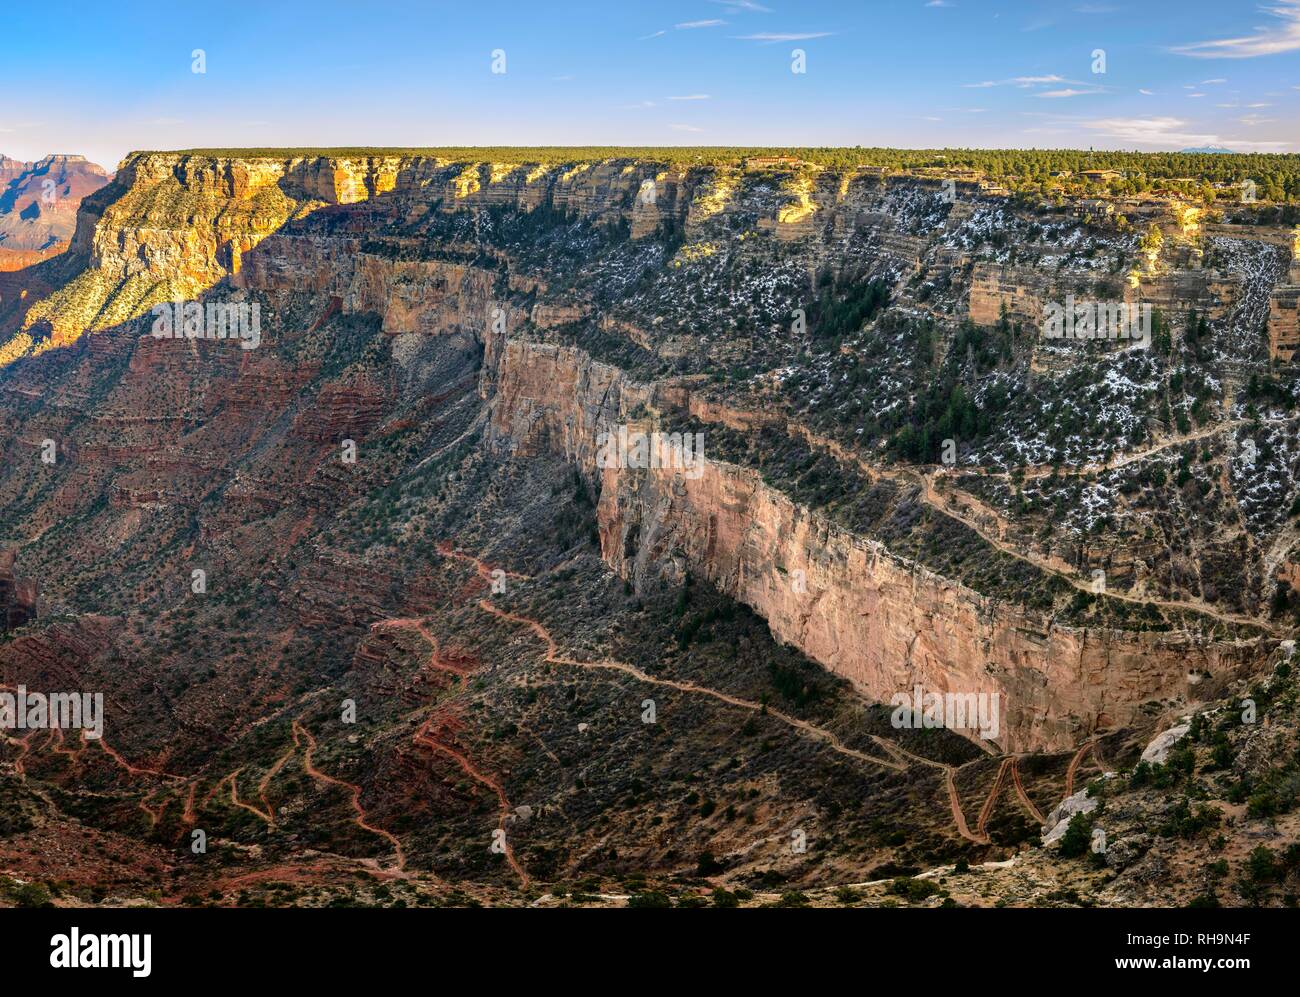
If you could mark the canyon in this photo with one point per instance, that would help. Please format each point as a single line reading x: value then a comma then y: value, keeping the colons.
x: 414, y: 441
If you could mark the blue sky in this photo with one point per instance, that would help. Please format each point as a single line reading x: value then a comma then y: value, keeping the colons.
x: 104, y: 79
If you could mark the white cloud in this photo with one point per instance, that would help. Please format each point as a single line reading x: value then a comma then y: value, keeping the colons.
x: 693, y: 96
x: 685, y: 128
x: 1067, y: 92
x: 689, y: 25
x: 1170, y: 132
x: 770, y: 36
x: 1269, y: 39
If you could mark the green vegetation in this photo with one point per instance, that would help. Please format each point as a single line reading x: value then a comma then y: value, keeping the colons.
x: 1277, y: 176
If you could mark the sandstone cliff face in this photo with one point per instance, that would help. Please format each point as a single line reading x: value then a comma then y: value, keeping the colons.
x: 881, y: 621
x: 172, y: 226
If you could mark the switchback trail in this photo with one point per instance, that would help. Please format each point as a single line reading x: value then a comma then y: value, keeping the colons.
x: 425, y: 739
x: 1085, y: 748
x: 899, y: 755
x: 355, y: 791
x: 1024, y: 797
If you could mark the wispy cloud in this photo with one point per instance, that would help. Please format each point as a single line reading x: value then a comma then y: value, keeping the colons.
x: 748, y: 5
x: 790, y: 36
x: 712, y: 22
x: 1024, y: 82
x: 1274, y: 38
x: 1067, y: 92
x: 693, y: 96
x: 685, y: 128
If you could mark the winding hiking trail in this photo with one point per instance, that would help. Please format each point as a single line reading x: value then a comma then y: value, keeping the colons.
x: 424, y: 738
x: 436, y: 660
x: 553, y: 656
x: 950, y: 784
x: 1087, y: 746
x: 271, y: 774
x: 355, y: 792
x: 231, y: 779
x: 1024, y: 797
x: 986, y: 811
x: 427, y: 740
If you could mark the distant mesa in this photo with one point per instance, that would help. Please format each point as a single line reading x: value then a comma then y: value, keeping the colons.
x: 1208, y: 150
x: 38, y: 205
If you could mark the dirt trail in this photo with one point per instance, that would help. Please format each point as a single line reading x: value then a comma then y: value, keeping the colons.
x: 134, y: 769
x: 1024, y: 797
x: 1086, y: 747
x: 986, y: 811
x: 355, y: 791
x: 481, y: 566
x: 436, y: 660
x: 427, y: 740
x: 554, y: 657
x: 1128, y: 457
x: 271, y: 774
x: 949, y: 781
x: 232, y: 779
